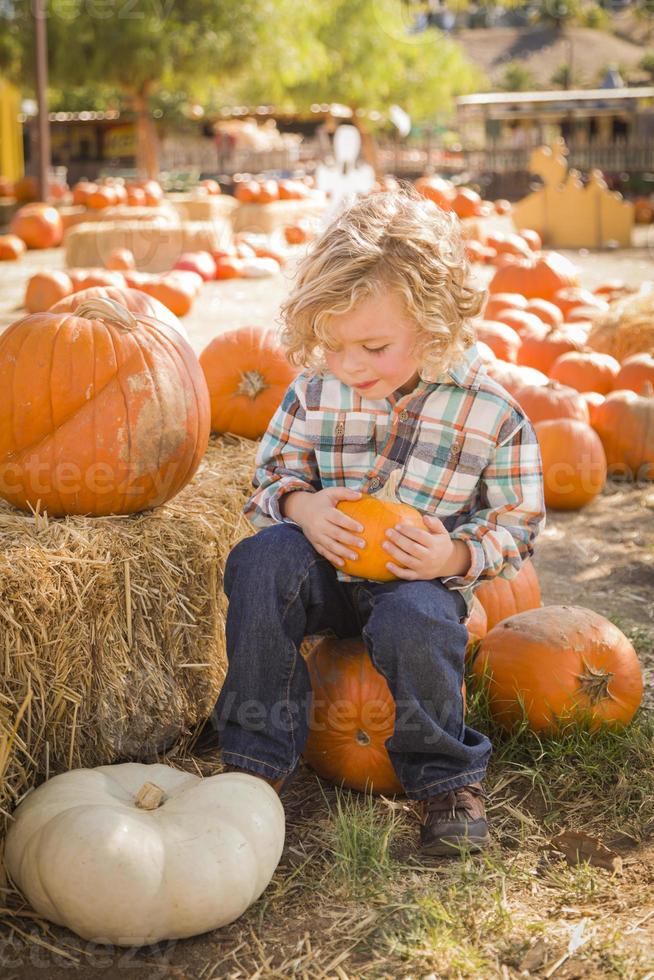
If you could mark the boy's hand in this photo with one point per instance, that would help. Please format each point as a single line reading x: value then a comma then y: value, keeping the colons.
x: 427, y: 554
x: 332, y: 533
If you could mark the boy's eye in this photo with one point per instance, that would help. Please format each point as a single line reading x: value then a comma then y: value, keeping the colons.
x: 376, y: 350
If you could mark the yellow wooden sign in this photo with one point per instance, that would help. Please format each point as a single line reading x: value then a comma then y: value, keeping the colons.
x: 568, y: 213
x: 11, y: 134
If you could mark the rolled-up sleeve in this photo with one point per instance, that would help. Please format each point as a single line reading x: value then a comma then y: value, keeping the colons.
x: 285, y: 460
x: 500, y: 534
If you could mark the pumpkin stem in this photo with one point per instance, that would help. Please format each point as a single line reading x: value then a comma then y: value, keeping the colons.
x: 362, y: 738
x: 594, y: 683
x: 388, y: 492
x: 149, y: 797
x: 252, y: 384
x: 107, y: 310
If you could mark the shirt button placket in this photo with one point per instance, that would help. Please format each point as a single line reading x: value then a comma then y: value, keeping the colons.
x: 404, y: 415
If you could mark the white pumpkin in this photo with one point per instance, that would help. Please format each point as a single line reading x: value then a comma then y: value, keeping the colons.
x: 131, y: 854
x: 259, y: 268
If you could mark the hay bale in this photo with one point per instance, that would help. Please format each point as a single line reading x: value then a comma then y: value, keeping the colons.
x: 156, y: 243
x: 77, y: 214
x: 113, y: 640
x: 266, y: 218
x: 203, y: 207
x: 627, y: 328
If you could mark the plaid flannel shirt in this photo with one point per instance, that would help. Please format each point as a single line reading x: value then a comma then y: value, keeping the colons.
x: 467, y: 452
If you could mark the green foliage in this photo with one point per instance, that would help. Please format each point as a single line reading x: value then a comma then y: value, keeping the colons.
x: 647, y: 63
x: 518, y: 78
x: 357, y: 52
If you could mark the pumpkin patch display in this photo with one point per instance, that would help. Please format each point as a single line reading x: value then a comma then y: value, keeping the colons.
x: 625, y: 424
x: 247, y: 375
x: 559, y: 665
x: 574, y: 462
x: 132, y: 854
x: 539, y: 278
x: 101, y: 412
x: 378, y: 513
x: 503, y: 597
x: 352, y: 716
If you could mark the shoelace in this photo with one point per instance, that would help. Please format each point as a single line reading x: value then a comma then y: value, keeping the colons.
x: 455, y: 799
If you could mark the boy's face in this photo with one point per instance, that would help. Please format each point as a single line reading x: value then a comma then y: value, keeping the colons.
x: 373, y: 347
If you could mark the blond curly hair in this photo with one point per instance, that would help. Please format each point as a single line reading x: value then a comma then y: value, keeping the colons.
x: 393, y: 240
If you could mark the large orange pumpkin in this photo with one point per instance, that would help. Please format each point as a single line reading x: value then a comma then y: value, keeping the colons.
x: 552, y: 401
x: 546, y: 311
x: 574, y: 463
x: 504, y: 301
x: 542, y: 352
x: 101, y: 413
x: 625, y: 424
x: 559, y: 665
x: 378, y: 513
x: 502, y: 597
x: 39, y: 226
x: 247, y: 375
x: 514, y: 376
x: 438, y: 190
x: 176, y: 292
x: 352, y: 716
x: 477, y: 625
x: 526, y: 325
x: 540, y: 278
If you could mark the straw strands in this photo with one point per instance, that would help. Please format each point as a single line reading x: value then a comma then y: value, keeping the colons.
x: 112, y: 627
x: 627, y: 328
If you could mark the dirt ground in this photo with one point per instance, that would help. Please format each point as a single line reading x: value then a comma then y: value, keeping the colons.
x: 601, y: 557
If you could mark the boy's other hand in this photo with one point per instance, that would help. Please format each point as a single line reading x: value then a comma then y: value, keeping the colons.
x: 427, y: 554
x: 332, y: 533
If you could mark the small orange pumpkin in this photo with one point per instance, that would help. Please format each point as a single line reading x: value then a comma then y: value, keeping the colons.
x: 586, y: 371
x: 574, y: 463
x: 46, y: 288
x: 177, y: 294
x: 635, y: 372
x: 514, y: 376
x: 39, y: 226
x: 542, y: 352
x: 247, y: 375
x: 546, y: 311
x: 121, y: 259
x: 500, y: 337
x: 541, y: 277
x: 378, y: 513
x: 504, y: 301
x: 11, y: 248
x: 525, y: 324
x: 559, y: 665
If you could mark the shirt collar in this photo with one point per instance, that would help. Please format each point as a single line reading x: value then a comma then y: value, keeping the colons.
x: 464, y: 372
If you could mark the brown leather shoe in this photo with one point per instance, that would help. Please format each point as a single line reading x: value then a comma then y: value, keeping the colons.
x: 278, y: 785
x: 454, y: 819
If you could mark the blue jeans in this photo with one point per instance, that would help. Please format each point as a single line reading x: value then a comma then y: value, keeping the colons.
x: 280, y: 590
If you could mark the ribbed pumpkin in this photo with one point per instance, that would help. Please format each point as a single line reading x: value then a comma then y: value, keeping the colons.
x: 502, y: 597
x: 133, y: 300
x: 560, y: 665
x: 101, y: 413
x: 247, y: 375
x: 625, y: 424
x: 574, y: 463
x: 552, y: 401
x: 635, y: 372
x: 378, y: 513
x: 593, y: 401
x: 572, y: 297
x: 39, y: 226
x: 546, y: 311
x: 352, y: 716
x: 586, y: 371
x: 525, y: 324
x: 540, y: 278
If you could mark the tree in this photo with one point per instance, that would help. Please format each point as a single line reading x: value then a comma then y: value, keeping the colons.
x: 361, y: 53
x: 138, y: 48
x: 518, y: 78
